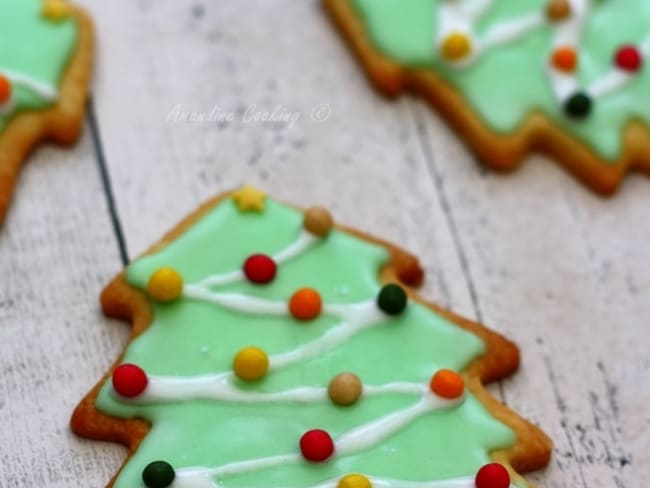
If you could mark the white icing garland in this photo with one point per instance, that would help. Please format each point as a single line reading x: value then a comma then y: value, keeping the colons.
x: 351, y: 442
x: 511, y: 30
x: 370, y: 434
x: 356, y: 317
x: 462, y: 17
x: 464, y: 482
x: 188, y: 479
x: 567, y: 33
x: 301, y: 244
x: 458, y: 17
x: 616, y: 78
x: 42, y: 89
x: 220, y: 387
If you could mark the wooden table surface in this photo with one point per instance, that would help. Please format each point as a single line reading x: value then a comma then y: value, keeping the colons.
x: 533, y: 254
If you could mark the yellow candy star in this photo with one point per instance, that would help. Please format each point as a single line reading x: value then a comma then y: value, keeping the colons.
x: 56, y: 10
x: 354, y: 481
x: 249, y: 199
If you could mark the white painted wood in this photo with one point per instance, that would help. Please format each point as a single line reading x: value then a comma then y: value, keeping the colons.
x: 533, y: 254
x: 57, y: 250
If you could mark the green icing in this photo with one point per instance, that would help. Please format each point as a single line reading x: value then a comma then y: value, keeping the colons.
x: 509, y: 81
x: 188, y: 337
x: 33, y: 46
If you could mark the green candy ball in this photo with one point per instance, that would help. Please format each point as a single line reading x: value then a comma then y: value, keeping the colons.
x: 392, y: 299
x: 158, y: 474
x: 578, y: 106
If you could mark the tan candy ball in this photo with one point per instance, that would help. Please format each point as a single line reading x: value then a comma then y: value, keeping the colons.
x: 345, y: 389
x: 318, y: 221
x: 558, y: 9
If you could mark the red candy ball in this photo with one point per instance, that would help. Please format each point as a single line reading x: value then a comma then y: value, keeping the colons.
x: 129, y: 380
x: 492, y: 475
x: 628, y: 58
x: 5, y: 89
x: 259, y: 268
x: 316, y: 445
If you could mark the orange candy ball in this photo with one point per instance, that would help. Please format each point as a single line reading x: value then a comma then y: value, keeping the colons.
x: 305, y: 304
x: 564, y: 59
x: 447, y: 384
x: 5, y: 89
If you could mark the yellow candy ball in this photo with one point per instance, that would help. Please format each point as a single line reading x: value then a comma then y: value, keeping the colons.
x: 250, y: 364
x: 354, y: 481
x: 56, y: 10
x: 165, y: 285
x: 456, y: 46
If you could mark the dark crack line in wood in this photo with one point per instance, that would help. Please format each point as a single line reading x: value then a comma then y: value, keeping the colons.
x: 443, y: 200
x: 100, y: 157
x: 564, y: 423
x: 446, y: 208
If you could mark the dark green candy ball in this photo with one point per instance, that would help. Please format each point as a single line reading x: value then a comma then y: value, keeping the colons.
x: 158, y: 474
x: 578, y: 105
x: 392, y: 299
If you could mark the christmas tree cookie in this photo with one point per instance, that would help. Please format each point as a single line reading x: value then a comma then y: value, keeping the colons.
x: 568, y: 78
x: 272, y: 348
x: 45, y: 64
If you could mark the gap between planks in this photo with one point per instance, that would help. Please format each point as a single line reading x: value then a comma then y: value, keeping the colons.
x: 100, y: 157
x: 443, y: 200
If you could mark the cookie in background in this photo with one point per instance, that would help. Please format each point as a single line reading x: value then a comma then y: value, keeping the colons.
x: 45, y: 69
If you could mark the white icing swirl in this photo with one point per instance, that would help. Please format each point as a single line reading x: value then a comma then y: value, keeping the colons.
x: 304, y: 240
x: 617, y: 78
x: 377, y: 482
x: 42, y: 89
x: 198, y: 480
x: 372, y: 433
x: 351, y: 442
x: 220, y: 387
x: 462, y: 17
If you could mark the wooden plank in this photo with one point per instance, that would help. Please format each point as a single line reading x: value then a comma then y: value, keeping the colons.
x: 566, y: 275
x: 57, y: 250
